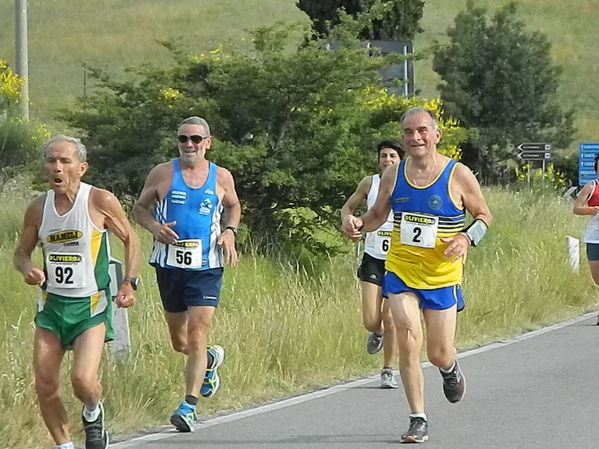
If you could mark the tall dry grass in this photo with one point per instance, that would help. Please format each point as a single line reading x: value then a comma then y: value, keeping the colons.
x: 285, y: 331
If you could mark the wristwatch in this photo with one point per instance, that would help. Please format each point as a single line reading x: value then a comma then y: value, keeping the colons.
x: 232, y: 228
x: 133, y: 281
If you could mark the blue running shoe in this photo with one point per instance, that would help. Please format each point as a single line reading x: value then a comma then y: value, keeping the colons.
x: 184, y: 417
x: 211, y: 379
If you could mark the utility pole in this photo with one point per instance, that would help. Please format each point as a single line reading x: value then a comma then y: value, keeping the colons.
x: 21, y: 53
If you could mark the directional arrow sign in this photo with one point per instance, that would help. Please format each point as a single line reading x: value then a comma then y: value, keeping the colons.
x: 534, y: 155
x: 535, y: 147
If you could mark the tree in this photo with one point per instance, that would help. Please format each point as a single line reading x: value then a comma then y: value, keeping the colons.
x: 399, y: 21
x: 296, y: 125
x: 499, y: 78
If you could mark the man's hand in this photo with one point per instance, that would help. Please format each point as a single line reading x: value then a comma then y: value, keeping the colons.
x: 164, y: 233
x: 457, y: 247
x: 34, y: 276
x: 125, y: 297
x: 226, y: 241
x: 351, y: 227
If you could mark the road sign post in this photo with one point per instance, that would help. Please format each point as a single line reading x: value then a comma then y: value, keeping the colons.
x: 534, y: 151
x: 121, y: 345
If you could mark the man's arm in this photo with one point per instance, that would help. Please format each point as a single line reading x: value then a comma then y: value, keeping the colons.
x: 472, y: 195
x: 117, y: 223
x: 580, y: 206
x: 375, y: 217
x: 232, y: 214
x: 468, y: 190
x: 356, y: 198
x: 142, y: 210
x: 32, y: 274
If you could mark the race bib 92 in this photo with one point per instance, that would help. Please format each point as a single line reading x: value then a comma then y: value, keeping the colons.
x: 65, y: 270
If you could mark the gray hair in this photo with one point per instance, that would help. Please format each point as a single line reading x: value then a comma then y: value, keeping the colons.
x: 81, y: 150
x: 195, y: 120
x: 419, y: 110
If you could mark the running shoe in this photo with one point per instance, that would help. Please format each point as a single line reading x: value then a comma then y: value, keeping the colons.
x: 374, y: 343
x: 417, y: 433
x: 96, y: 435
x: 454, y: 384
x: 184, y: 417
x: 211, y: 379
x: 387, y: 379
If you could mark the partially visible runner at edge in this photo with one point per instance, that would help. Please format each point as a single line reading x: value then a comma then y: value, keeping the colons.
x: 587, y: 203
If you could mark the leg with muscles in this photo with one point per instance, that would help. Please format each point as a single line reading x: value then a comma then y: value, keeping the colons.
x: 440, y: 325
x: 371, y: 316
x: 390, y: 347
x: 593, y: 258
x: 189, y: 335
x: 406, y: 316
x: 198, y: 325
x: 177, y: 328
x: 87, y: 350
x: 47, y: 357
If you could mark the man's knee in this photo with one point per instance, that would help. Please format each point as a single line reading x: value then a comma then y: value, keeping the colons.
x: 46, y: 388
x: 179, y: 343
x: 409, y: 340
x: 441, y: 357
x: 372, y: 323
x: 84, y: 384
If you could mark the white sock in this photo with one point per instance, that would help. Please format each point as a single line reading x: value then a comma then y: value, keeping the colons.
x: 68, y: 445
x: 418, y: 415
x: 447, y: 371
x: 91, y: 415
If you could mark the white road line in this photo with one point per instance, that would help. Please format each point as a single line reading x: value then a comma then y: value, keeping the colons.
x: 169, y: 431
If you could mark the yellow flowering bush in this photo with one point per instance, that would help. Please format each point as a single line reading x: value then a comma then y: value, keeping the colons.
x: 10, y: 86
x: 388, y: 108
x: 170, y: 96
x: 541, y: 181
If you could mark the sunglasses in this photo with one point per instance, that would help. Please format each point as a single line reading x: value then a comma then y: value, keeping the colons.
x: 195, y: 139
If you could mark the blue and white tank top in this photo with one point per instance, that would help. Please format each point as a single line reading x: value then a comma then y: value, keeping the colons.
x: 197, y: 213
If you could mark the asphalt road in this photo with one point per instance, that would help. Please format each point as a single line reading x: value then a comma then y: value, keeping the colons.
x: 540, y: 390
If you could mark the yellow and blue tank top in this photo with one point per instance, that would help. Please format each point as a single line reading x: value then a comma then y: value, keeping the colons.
x: 197, y: 212
x: 76, y: 252
x: 424, y: 215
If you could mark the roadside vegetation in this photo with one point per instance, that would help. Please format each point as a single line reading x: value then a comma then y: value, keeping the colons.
x: 288, y: 328
x: 295, y: 124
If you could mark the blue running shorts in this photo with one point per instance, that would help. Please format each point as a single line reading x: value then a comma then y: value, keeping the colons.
x: 433, y: 299
x: 180, y: 289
